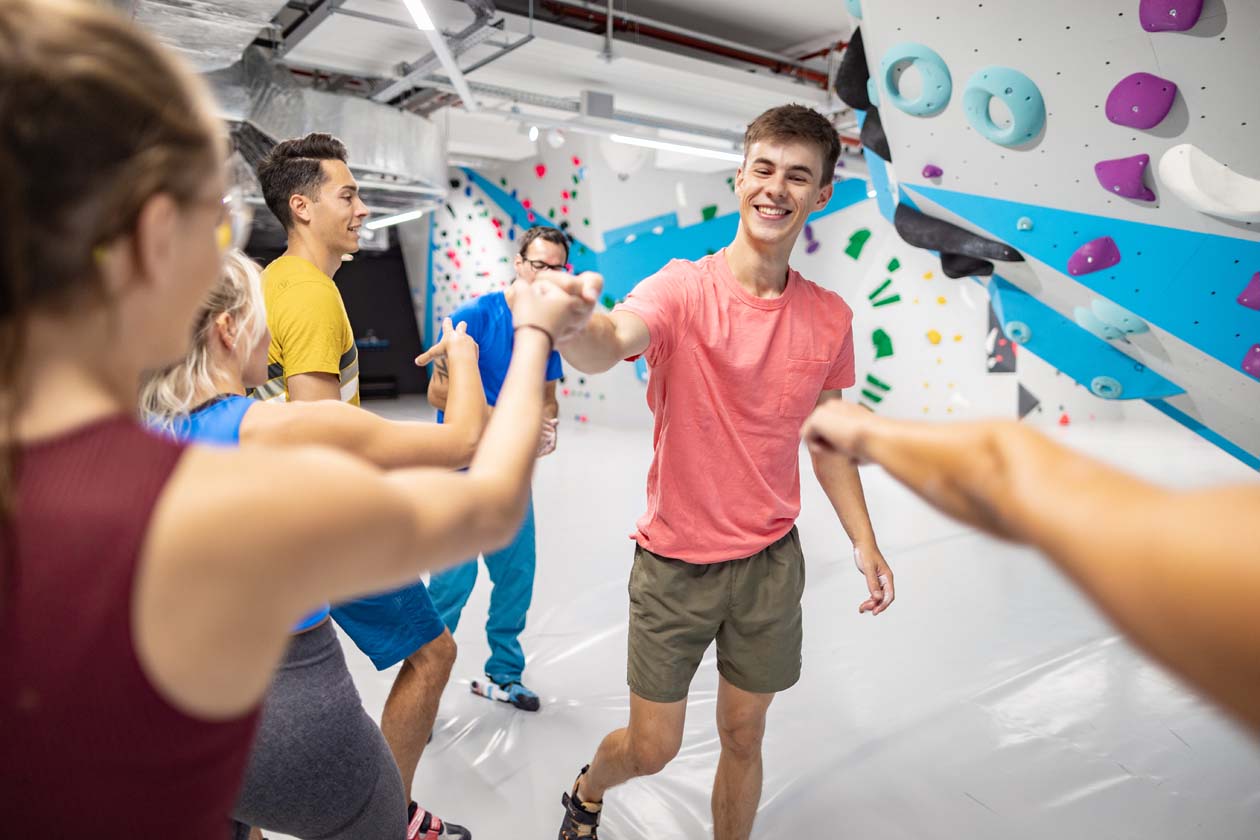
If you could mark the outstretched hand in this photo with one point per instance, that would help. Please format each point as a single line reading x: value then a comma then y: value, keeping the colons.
x: 455, y: 340
x: 557, y: 303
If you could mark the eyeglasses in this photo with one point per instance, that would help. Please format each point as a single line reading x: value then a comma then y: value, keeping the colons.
x: 539, y: 265
x: 238, y: 217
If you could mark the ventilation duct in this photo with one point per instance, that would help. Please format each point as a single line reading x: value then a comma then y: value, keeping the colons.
x: 211, y: 34
x: 399, y: 158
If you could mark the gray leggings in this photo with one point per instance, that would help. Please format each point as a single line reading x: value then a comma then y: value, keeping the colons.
x: 320, y: 768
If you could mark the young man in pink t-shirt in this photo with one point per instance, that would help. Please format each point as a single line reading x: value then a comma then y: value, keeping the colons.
x: 741, y: 348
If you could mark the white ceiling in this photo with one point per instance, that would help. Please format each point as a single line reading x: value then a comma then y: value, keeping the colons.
x: 562, y: 62
x: 770, y: 26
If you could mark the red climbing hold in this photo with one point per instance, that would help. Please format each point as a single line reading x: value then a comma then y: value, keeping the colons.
x: 540, y: 170
x: 1064, y: 420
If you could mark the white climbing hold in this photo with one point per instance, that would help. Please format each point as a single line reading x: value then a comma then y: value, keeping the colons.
x: 1208, y: 185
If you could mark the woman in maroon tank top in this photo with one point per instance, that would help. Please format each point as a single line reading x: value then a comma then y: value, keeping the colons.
x: 147, y: 590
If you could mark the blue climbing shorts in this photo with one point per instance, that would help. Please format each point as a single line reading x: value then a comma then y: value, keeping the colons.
x: 391, y: 626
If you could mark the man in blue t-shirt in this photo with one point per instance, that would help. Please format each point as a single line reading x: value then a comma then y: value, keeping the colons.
x: 488, y: 320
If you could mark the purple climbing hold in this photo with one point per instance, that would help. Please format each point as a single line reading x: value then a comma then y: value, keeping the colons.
x: 1251, y: 362
x: 1169, y: 15
x: 1123, y: 176
x: 932, y: 171
x: 812, y: 246
x: 1094, y: 256
x: 1250, y: 296
x: 1141, y: 100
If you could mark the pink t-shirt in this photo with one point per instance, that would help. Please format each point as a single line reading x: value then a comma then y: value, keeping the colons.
x: 733, y: 378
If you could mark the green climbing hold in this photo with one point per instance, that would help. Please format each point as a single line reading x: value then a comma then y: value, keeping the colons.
x: 872, y: 396
x: 871, y: 380
x: 709, y: 213
x: 607, y: 301
x: 503, y: 182
x: 881, y: 288
x: 883, y: 344
x: 586, y: 222
x: 887, y: 300
x: 551, y: 214
x: 857, y: 242
x: 894, y: 264
x: 577, y: 180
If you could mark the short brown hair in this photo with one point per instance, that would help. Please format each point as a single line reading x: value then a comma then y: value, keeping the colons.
x: 547, y: 234
x: 294, y: 167
x: 796, y: 122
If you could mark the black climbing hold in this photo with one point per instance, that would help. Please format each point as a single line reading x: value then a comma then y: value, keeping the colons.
x: 923, y: 231
x: 958, y: 265
x: 854, y: 74
x: 873, y: 136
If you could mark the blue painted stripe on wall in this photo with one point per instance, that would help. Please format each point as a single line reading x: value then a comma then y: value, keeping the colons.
x: 429, y: 292
x: 1075, y: 351
x: 616, y: 236
x: 1182, y: 281
x: 1206, y: 433
x: 880, y: 183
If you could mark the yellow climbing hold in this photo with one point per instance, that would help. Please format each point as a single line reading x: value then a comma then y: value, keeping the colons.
x: 958, y: 338
x: 927, y: 276
x: 941, y: 300
x: 934, y: 337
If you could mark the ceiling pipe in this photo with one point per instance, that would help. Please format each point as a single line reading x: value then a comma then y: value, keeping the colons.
x: 627, y: 22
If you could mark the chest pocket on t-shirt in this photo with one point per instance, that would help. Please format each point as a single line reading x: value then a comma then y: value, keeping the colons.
x: 802, y: 384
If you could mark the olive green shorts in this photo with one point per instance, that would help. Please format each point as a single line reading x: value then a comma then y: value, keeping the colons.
x: 751, y: 606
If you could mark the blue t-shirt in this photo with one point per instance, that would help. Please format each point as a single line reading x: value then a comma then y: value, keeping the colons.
x: 489, y: 323
x: 219, y: 422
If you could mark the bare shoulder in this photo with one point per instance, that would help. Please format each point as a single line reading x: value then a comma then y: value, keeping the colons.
x: 277, y: 423
x: 226, y: 505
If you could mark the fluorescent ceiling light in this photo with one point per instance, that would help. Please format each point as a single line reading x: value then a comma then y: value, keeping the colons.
x: 420, y: 15
x: 409, y: 216
x: 698, y: 151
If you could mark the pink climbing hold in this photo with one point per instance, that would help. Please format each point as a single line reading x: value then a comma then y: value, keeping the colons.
x: 1141, y: 100
x: 1251, y: 362
x: 1123, y: 177
x: 1094, y: 256
x: 1250, y: 296
x: 1169, y: 15
x: 932, y: 171
x: 540, y: 170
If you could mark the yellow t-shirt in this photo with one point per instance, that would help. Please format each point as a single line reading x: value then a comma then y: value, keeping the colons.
x: 310, y: 331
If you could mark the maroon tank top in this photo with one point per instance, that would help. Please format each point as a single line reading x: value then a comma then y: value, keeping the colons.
x: 87, y: 745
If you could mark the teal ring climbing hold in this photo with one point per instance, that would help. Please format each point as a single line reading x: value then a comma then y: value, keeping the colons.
x: 1018, y: 332
x: 1106, y: 388
x: 938, y: 85
x: 855, y: 8
x: 1022, y: 98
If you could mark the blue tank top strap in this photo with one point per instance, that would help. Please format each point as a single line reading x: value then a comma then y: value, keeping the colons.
x: 217, y: 422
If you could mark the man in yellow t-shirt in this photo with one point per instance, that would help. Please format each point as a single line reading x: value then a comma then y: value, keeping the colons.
x: 310, y: 331
x: 311, y: 191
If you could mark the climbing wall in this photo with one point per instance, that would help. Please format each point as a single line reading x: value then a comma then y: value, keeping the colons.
x: 1113, y: 144
x: 926, y: 345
